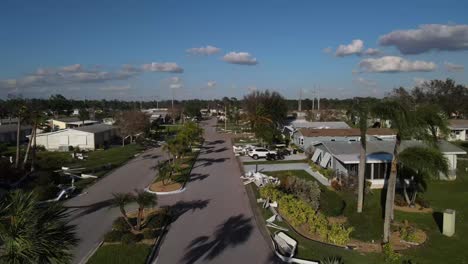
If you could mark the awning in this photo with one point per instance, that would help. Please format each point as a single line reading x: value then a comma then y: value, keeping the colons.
x: 325, y: 160
x: 317, y: 155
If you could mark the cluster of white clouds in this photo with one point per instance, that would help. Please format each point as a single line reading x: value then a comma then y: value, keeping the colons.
x: 427, y: 38
x: 395, y: 64
x: 208, y: 50
x: 242, y: 58
x: 78, y: 74
x: 211, y: 84
x: 356, y: 47
x: 452, y: 67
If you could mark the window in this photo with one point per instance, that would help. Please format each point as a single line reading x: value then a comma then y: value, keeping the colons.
x: 302, y: 141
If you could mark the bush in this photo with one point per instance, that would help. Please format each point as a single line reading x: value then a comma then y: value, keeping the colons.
x: 272, y: 192
x: 390, y: 256
x: 129, y: 238
x: 338, y: 234
x: 150, y: 233
x: 156, y: 221
x: 113, y: 236
x: 46, y: 192
x: 332, y: 260
x: 120, y: 224
x: 400, y: 200
x: 307, y: 191
x: 422, y: 202
x: 407, y: 232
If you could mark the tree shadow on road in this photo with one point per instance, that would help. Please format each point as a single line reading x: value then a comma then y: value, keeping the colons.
x: 233, y: 232
x: 182, y: 207
x: 204, y: 162
x: 219, y: 141
x: 89, y: 209
x: 198, y: 177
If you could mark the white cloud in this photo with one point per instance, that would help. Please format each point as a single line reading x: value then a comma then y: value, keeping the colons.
x: 452, y: 67
x: 428, y: 37
x: 355, y: 47
x: 365, y: 82
x: 72, y: 68
x: 115, y: 88
x: 243, y: 58
x: 371, y: 52
x: 211, y: 84
x: 395, y: 64
x: 162, y: 67
x: 208, y: 50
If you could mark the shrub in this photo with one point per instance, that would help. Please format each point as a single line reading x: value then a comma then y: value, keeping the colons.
x: 156, y: 221
x: 129, y: 238
x: 272, y: 192
x: 113, y: 236
x: 120, y: 224
x: 336, y: 185
x: 400, y: 200
x: 150, y: 233
x: 307, y: 191
x: 339, y: 234
x: 390, y: 256
x: 407, y: 232
x: 332, y: 260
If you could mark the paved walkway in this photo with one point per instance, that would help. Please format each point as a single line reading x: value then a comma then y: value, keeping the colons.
x: 289, y: 166
x: 91, y: 211
x: 215, y: 222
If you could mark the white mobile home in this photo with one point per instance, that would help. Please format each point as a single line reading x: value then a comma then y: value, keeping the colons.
x: 86, y: 137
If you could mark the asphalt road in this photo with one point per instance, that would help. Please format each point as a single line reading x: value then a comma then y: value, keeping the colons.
x: 215, y: 222
x: 91, y: 212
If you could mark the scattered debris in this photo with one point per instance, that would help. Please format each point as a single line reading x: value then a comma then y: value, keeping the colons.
x: 259, y: 179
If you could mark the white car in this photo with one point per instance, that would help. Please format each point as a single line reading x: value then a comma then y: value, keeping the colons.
x: 257, y: 153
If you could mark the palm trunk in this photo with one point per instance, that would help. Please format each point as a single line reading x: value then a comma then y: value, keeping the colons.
x: 124, y: 214
x: 123, y: 141
x: 28, y: 148
x: 362, y: 171
x: 405, y: 192
x: 139, y: 218
x: 391, y: 185
x: 33, y: 153
x: 18, y: 129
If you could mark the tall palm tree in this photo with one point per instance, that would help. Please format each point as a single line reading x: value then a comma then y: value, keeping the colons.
x: 21, y: 113
x: 401, y: 120
x: 33, y: 233
x: 121, y: 200
x: 363, y: 113
x: 144, y: 200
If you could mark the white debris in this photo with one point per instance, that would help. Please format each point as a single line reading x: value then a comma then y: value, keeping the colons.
x: 260, y: 179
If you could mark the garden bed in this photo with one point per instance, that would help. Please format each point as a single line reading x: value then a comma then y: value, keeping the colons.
x: 169, y: 187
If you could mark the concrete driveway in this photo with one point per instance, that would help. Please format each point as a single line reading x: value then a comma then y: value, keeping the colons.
x: 215, y: 223
x: 91, y: 211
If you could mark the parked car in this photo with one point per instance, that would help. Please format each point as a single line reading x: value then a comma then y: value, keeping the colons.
x: 257, y: 153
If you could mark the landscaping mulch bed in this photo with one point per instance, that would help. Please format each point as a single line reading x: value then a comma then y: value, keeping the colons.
x: 160, y: 187
x: 416, y: 209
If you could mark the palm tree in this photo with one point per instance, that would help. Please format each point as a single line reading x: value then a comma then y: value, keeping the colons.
x: 121, y: 200
x: 144, y: 200
x: 164, y: 172
x: 419, y: 163
x: 401, y: 121
x: 33, y: 233
x: 362, y: 112
x: 21, y: 114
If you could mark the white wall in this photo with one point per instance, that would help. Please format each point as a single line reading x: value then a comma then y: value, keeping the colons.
x: 461, y: 135
x: 65, y: 138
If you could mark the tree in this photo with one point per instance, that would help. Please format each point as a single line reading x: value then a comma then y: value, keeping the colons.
x: 132, y: 123
x: 121, y: 200
x: 59, y: 104
x: 418, y: 164
x: 144, y: 200
x: 400, y: 118
x: 362, y: 112
x: 266, y: 112
x: 34, y: 233
x: 192, y: 108
x: 21, y: 114
x: 84, y: 115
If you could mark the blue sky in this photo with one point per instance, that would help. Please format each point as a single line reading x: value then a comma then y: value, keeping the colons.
x: 139, y: 49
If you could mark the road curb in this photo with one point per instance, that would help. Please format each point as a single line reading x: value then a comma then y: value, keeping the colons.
x: 165, y: 193
x: 91, y: 253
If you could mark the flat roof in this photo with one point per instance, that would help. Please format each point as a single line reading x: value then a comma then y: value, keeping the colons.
x: 302, y: 123
x: 97, y: 128
x: 310, y: 132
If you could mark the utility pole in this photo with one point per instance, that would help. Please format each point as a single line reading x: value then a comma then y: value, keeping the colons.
x: 172, y: 106
x: 300, y: 101
x: 318, y: 101
x: 225, y: 118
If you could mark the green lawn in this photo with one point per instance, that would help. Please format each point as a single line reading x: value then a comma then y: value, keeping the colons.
x: 121, y: 254
x: 443, y: 195
x: 274, y: 162
x: 369, y: 225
